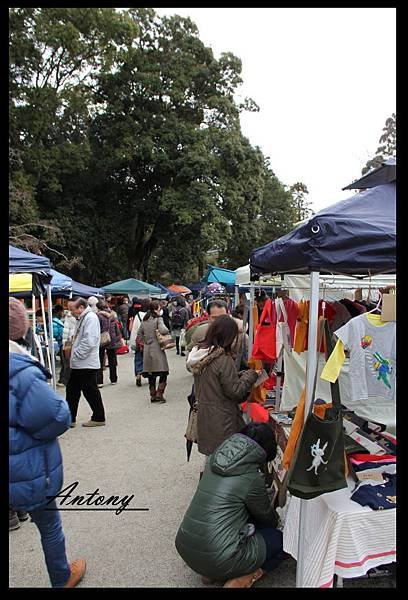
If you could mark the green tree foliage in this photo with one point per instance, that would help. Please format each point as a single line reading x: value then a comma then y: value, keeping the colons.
x: 130, y: 145
x: 387, y: 147
x: 301, y: 204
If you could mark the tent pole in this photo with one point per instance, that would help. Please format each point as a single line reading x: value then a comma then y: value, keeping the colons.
x: 251, y: 320
x: 312, y: 358
x: 236, y: 299
x: 46, y: 339
x: 49, y: 298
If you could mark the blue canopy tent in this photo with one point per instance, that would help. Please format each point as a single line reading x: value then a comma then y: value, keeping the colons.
x: 385, y: 173
x: 61, y: 285
x: 219, y: 275
x: 357, y: 237
x: 21, y: 261
x: 85, y: 291
x: 165, y: 290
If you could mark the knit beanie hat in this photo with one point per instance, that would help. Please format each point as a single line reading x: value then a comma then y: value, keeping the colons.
x: 92, y: 301
x: 18, y: 319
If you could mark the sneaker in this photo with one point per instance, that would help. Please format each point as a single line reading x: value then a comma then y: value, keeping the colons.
x: 14, y: 523
x: 246, y: 581
x: 22, y: 515
x: 100, y: 385
x: 73, y: 424
x: 114, y: 382
x: 93, y: 423
x: 78, y: 568
x: 158, y: 400
x: 183, y: 354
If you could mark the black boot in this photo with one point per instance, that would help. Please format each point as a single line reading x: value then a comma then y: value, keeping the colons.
x: 152, y: 390
x: 139, y: 380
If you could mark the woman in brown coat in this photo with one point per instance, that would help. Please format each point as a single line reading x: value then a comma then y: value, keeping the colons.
x: 154, y: 358
x: 219, y: 388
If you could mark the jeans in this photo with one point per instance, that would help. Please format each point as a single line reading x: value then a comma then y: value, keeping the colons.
x: 84, y: 380
x: 274, y: 546
x: 53, y: 543
x: 138, y: 362
x: 112, y: 362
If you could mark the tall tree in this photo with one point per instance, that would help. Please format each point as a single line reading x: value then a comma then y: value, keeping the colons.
x: 387, y: 147
x: 301, y: 204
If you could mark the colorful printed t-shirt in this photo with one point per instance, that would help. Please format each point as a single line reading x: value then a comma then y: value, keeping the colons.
x: 372, y: 357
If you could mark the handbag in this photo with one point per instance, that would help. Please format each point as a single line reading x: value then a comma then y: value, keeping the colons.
x: 105, y: 339
x: 67, y: 349
x: 265, y: 338
x: 166, y: 342
x: 318, y: 466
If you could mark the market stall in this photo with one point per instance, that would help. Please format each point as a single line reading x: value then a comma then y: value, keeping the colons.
x: 355, y: 237
x: 39, y: 267
x: 133, y: 287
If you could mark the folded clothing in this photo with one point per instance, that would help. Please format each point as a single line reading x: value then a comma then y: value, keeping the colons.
x: 378, y: 496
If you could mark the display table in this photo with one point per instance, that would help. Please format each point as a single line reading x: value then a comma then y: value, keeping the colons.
x: 341, y: 537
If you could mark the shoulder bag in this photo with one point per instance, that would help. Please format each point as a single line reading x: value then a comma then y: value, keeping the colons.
x: 166, y: 342
x: 318, y: 465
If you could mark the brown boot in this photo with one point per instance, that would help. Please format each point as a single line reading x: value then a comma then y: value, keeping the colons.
x: 152, y: 390
x: 78, y: 568
x: 246, y: 581
x: 159, y: 394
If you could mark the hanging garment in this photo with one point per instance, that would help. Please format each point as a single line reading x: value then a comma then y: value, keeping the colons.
x: 283, y: 338
x: 301, y: 334
x: 372, y: 357
x: 265, y: 337
x: 291, y: 308
x: 341, y: 316
x: 299, y: 344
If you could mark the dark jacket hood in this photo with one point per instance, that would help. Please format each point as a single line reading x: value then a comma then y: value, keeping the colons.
x: 237, y: 455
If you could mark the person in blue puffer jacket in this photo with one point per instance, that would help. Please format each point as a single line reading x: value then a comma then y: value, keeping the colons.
x: 37, y: 416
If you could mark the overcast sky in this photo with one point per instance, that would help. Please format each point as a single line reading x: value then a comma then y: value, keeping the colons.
x: 324, y: 79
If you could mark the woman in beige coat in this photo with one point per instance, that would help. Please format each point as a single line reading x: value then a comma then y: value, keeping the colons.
x: 154, y: 358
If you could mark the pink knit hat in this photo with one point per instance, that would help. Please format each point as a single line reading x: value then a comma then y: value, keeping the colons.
x: 18, y: 319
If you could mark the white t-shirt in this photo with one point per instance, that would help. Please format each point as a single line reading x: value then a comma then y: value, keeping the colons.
x: 372, y: 357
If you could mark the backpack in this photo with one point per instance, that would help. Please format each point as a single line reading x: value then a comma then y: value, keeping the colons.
x: 177, y: 318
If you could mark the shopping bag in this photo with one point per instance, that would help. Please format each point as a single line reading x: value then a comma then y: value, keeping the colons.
x: 319, y: 464
x: 265, y: 337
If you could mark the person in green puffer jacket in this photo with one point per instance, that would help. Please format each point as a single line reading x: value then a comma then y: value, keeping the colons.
x: 229, y: 530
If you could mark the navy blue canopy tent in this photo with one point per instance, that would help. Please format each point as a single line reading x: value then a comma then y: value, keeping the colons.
x: 21, y: 261
x: 385, y: 173
x: 356, y: 236
x: 85, y: 291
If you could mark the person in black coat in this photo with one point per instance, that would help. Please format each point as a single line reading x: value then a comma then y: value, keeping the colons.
x: 165, y: 315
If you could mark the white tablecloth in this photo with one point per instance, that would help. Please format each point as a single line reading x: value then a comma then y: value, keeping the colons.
x: 341, y: 537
